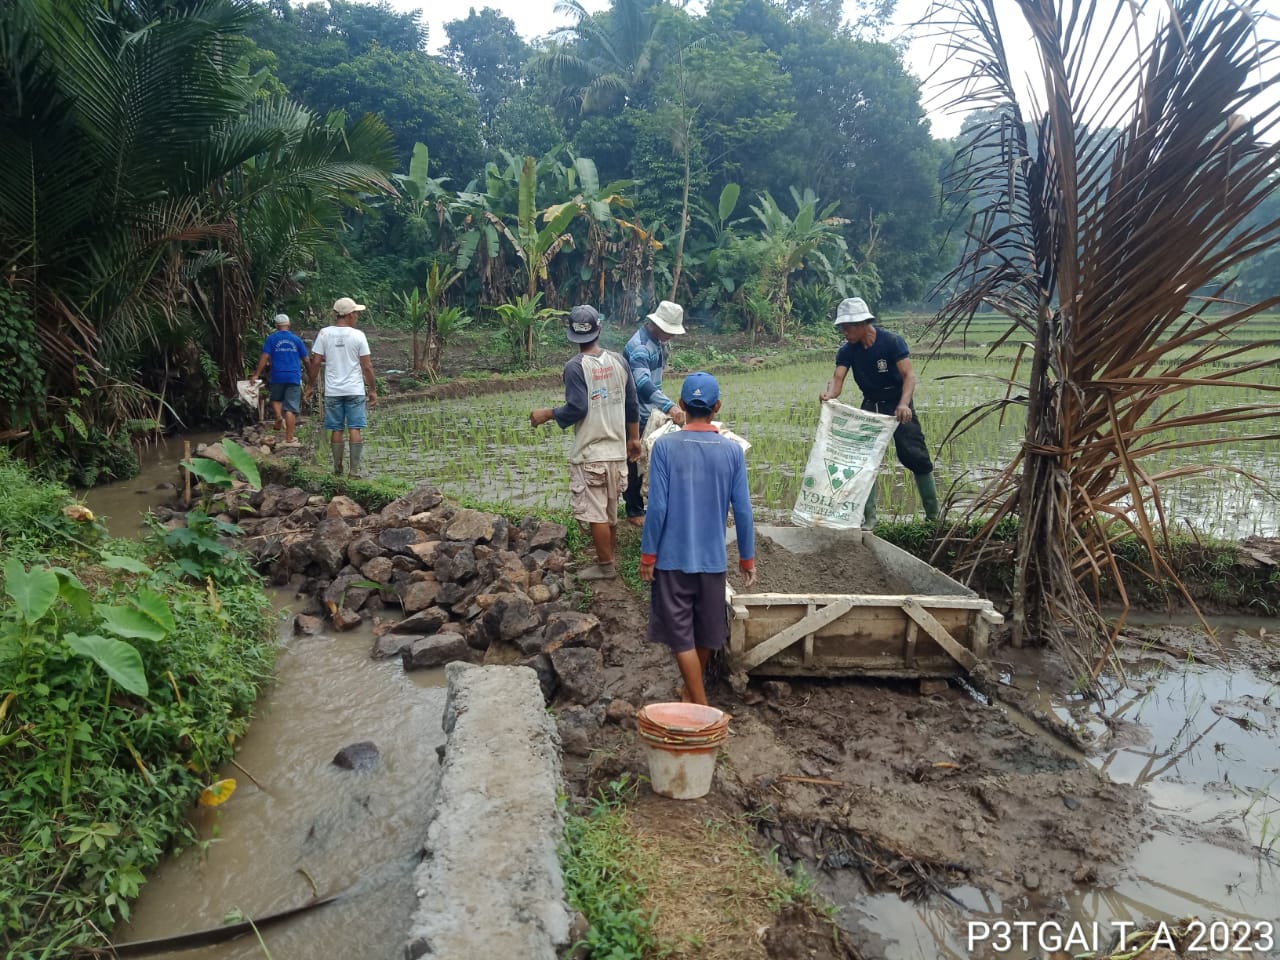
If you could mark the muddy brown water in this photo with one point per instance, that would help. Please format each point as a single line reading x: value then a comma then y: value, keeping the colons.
x: 307, y: 827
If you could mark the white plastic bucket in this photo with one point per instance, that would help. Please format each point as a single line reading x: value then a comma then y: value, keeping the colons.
x: 681, y: 772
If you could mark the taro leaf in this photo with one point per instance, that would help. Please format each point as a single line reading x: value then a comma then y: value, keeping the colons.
x: 121, y: 662
x: 72, y: 590
x: 241, y: 460
x: 209, y: 471
x: 113, y: 561
x: 33, y: 592
x: 152, y: 605
x: 129, y: 622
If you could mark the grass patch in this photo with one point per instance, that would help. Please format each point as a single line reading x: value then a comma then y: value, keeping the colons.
x: 654, y: 884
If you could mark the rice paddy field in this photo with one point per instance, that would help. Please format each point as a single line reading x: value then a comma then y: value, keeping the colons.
x: 484, y: 449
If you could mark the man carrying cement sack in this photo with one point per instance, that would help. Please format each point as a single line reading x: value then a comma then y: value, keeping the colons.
x: 881, y: 367
x: 695, y: 475
x: 600, y: 404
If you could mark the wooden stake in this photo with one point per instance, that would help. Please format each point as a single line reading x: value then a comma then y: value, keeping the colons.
x: 186, y: 474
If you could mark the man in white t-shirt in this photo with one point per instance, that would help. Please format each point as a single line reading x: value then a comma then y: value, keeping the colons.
x: 344, y: 351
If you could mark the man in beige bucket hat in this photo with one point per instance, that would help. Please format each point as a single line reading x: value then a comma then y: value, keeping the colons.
x: 646, y: 354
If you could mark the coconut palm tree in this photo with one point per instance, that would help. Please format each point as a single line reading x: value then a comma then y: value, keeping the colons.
x: 1104, y: 208
x: 605, y: 60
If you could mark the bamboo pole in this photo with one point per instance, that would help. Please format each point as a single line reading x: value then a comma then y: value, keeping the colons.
x: 186, y: 474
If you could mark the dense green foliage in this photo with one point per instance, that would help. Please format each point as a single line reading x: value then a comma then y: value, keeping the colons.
x: 123, y: 686
x: 155, y: 199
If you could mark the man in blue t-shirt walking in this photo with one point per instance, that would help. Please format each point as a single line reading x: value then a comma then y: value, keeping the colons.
x: 695, y: 475
x: 284, y: 351
x: 881, y: 367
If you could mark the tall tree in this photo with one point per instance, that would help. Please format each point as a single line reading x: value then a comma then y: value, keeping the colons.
x: 1092, y: 237
x: 607, y: 60
x: 487, y: 52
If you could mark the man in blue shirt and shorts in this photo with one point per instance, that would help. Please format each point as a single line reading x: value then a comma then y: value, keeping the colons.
x: 695, y: 476
x: 285, y: 351
x: 881, y: 367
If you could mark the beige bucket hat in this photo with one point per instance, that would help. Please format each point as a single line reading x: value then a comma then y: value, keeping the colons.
x: 669, y: 318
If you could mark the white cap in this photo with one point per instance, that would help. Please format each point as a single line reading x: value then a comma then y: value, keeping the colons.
x: 282, y: 319
x: 344, y: 305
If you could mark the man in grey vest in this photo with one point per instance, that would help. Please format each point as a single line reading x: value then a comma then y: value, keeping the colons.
x: 600, y: 404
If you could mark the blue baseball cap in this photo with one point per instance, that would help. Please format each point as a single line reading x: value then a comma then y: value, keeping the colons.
x: 700, y: 390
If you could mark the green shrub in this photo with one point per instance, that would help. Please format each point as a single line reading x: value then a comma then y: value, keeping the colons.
x: 122, y: 690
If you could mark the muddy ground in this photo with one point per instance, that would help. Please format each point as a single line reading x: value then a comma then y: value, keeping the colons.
x: 878, y: 786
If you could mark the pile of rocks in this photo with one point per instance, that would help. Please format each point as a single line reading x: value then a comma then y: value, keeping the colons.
x: 439, y: 582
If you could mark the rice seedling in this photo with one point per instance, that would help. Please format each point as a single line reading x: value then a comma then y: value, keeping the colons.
x: 483, y: 448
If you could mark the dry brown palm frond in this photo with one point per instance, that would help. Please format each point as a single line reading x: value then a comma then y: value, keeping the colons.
x: 1099, y: 231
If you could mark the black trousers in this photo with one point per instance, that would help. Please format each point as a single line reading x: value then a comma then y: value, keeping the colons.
x: 632, y: 498
x: 908, y: 439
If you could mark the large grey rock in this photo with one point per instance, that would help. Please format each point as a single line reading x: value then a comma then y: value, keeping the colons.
x: 473, y: 525
x: 329, y: 545
x: 435, y: 651
x: 362, y: 549
x: 344, y: 508
x: 457, y: 568
x: 358, y: 757
x: 572, y: 629
x: 419, y: 594
x: 546, y: 536
x: 581, y: 674
x: 377, y: 569
x: 511, y: 615
x: 424, y: 621
x: 392, y: 645
x: 418, y: 500
x: 400, y: 539
x: 486, y: 892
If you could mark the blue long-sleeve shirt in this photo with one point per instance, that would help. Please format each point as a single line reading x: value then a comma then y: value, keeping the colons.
x: 646, y: 357
x: 695, y: 475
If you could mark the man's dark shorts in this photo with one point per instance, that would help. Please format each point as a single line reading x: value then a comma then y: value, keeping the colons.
x: 687, y: 610
x: 288, y: 395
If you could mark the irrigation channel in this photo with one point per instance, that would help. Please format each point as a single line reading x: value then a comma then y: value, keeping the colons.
x: 1201, y: 738
x: 306, y: 828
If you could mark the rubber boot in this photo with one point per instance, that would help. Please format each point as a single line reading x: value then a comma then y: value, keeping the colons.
x: 928, y: 494
x: 336, y: 450
x: 869, y: 511
x: 357, y: 454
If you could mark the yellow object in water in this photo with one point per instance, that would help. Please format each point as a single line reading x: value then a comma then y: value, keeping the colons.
x: 217, y: 793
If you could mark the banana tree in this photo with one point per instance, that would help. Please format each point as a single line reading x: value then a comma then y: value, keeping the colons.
x: 595, y: 205
x: 536, y: 248
x: 787, y: 242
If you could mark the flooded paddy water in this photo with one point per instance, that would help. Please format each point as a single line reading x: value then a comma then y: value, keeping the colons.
x: 482, y: 447
x: 1202, y: 739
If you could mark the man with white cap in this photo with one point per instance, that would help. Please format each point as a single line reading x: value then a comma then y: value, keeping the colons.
x: 600, y: 404
x: 881, y: 367
x: 646, y: 354
x: 286, y: 353
x: 348, y: 381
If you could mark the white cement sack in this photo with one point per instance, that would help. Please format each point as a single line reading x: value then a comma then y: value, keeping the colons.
x: 247, y: 393
x: 659, y: 425
x: 847, y: 450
